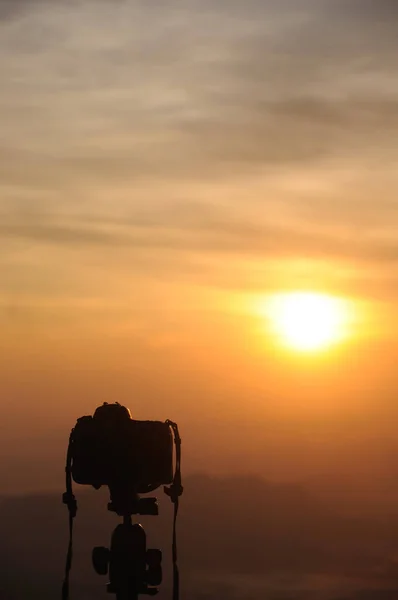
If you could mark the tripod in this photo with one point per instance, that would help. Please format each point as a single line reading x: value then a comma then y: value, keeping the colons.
x: 133, y: 568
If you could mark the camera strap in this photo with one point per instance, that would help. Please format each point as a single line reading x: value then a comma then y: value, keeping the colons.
x: 69, y: 499
x: 174, y: 491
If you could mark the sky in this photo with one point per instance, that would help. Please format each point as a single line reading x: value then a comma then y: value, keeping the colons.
x: 163, y: 167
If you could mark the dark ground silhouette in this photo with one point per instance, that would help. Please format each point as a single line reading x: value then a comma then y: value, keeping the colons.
x: 238, y: 538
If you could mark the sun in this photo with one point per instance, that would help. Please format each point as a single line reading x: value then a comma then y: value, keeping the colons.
x: 307, y: 321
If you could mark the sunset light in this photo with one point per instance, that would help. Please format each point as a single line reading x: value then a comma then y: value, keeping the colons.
x: 307, y: 321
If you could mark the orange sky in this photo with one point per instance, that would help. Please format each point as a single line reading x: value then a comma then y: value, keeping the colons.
x: 164, y: 168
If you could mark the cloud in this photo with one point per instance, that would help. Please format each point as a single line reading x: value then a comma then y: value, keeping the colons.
x: 177, y: 91
x: 364, y: 9
x: 206, y: 230
x: 205, y: 129
x: 51, y: 232
x: 9, y: 8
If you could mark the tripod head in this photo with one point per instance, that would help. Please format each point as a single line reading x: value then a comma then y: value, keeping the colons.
x: 133, y: 568
x: 124, y: 501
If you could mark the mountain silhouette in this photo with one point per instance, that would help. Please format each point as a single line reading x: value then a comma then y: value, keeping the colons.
x: 235, y: 534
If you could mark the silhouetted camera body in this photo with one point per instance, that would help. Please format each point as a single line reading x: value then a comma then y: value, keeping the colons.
x: 110, y: 448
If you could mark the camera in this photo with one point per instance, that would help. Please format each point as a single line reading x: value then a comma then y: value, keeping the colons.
x: 112, y: 449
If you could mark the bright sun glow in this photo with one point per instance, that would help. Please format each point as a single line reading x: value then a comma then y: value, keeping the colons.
x: 307, y: 321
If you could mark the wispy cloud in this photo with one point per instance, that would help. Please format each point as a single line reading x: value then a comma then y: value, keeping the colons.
x: 260, y: 130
